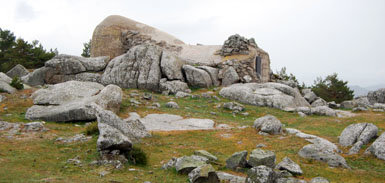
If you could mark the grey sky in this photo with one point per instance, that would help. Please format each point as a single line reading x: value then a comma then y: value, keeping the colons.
x: 310, y: 37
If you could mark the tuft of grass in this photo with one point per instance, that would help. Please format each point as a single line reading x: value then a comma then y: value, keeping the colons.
x: 137, y: 156
x: 16, y: 83
x: 92, y: 129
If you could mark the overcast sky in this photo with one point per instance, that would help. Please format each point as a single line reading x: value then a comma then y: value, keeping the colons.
x: 310, y: 37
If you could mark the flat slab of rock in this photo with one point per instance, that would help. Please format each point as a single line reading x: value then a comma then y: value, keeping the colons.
x: 67, y: 101
x: 170, y: 122
x: 274, y: 95
x: 226, y: 177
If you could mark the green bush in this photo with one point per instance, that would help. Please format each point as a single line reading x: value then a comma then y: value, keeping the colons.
x: 92, y: 129
x: 137, y: 156
x: 16, y: 83
x: 332, y: 89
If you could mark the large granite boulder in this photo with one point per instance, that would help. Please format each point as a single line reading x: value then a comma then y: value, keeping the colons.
x: 138, y: 68
x: 377, y: 96
x: 171, y: 66
x: 357, y: 135
x: 5, y: 84
x: 17, y: 71
x: 378, y: 147
x: 213, y: 72
x: 67, y: 101
x: 197, y: 77
x: 268, y: 124
x: 37, y: 77
x: 323, y: 111
x: 319, y: 102
x: 229, y: 76
x: 115, y: 133
x: 68, y: 64
x: 266, y: 94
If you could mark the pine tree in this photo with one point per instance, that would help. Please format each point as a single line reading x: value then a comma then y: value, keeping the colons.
x: 87, y: 49
x: 332, y: 89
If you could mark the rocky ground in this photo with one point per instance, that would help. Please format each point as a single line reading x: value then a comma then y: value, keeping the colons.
x: 59, y: 153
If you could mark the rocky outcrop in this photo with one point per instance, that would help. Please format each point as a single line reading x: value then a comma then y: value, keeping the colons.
x: 357, y: 135
x: 138, y: 68
x: 266, y: 94
x: 268, y: 124
x: 17, y: 71
x: 67, y: 101
x: 377, y: 96
x: 378, y: 147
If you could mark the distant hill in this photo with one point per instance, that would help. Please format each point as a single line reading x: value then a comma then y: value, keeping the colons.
x: 362, y: 91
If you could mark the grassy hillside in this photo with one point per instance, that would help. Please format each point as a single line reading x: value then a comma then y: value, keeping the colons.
x: 38, y: 158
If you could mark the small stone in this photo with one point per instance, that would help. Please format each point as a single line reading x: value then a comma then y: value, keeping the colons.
x: 319, y: 180
x: 206, y: 155
x: 289, y: 165
x: 147, y: 96
x: 237, y: 160
x: 260, y: 145
x: 262, y: 157
x: 103, y: 173
x: 172, y: 105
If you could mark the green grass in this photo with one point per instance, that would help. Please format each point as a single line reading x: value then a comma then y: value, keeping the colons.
x: 38, y: 158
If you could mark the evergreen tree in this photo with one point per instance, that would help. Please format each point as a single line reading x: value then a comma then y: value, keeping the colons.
x: 17, y: 51
x: 332, y: 89
x: 87, y: 49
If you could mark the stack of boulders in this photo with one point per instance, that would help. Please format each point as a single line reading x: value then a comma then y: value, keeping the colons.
x: 313, y: 99
x: 236, y: 45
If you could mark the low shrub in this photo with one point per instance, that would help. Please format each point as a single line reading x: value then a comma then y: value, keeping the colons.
x: 16, y: 83
x: 92, y: 129
x: 137, y: 156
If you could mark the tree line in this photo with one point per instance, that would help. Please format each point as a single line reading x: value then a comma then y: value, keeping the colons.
x: 15, y: 51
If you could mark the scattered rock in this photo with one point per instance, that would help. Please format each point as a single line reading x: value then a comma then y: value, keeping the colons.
x: 348, y: 104
x: 319, y: 180
x: 262, y: 157
x: 186, y: 164
x: 234, y: 106
x: 180, y: 94
x: 170, y: 164
x: 290, y: 166
x: 319, y: 102
x: 172, y: 105
x: 17, y: 71
x: 261, y: 174
x: 147, y: 96
x: 173, y: 87
x: 323, y: 111
x: 226, y: 177
x: 377, y: 96
x: 206, y: 154
x: 260, y: 145
x: 359, y: 109
x: 203, y: 174
x: 378, y: 147
x: 357, y: 135
x: 301, y: 114
x: 333, y: 105
x: 237, y: 160
x: 76, y: 138
x: 268, y: 124
x: 290, y: 180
